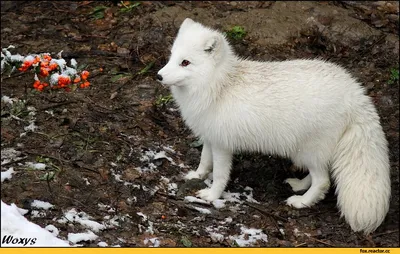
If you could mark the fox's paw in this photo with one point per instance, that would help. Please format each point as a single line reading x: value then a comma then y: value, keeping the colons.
x: 297, y: 184
x: 208, y: 194
x: 191, y: 175
x: 297, y: 202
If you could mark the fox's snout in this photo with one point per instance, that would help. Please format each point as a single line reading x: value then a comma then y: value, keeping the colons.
x: 159, y: 77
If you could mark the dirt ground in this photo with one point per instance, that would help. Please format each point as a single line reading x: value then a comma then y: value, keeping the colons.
x: 99, y: 143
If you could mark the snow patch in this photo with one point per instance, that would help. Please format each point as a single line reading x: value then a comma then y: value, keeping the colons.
x: 7, y: 175
x: 15, y: 226
x: 248, y: 236
x: 41, y: 205
x: 154, y: 241
x: 79, y: 237
x: 81, y: 218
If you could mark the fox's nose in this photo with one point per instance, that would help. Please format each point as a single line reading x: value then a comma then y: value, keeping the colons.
x: 159, y: 77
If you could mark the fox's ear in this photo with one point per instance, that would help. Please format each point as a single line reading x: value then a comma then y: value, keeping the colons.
x: 212, y: 44
x: 187, y: 22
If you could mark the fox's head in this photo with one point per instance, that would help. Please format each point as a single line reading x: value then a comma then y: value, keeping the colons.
x: 195, y: 55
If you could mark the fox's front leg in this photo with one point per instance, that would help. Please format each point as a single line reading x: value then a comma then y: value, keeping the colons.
x: 205, y: 165
x: 222, y: 162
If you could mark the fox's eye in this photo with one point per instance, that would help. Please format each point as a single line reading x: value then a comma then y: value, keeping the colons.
x: 185, y: 63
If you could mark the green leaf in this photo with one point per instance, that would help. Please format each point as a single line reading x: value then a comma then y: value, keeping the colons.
x: 130, y: 7
x: 146, y: 69
x: 120, y: 76
x: 186, y: 242
x: 236, y: 33
x: 98, y: 12
x: 48, y: 176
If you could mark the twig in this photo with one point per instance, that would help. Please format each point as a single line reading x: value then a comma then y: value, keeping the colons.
x: 57, y: 105
x: 386, y: 233
x: 320, y: 241
x: 14, y: 76
x: 299, y: 245
x: 265, y: 212
x: 15, y: 161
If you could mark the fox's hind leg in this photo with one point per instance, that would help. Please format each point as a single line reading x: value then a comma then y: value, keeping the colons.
x: 205, y: 165
x: 320, y: 184
x: 314, y: 156
x: 299, y: 184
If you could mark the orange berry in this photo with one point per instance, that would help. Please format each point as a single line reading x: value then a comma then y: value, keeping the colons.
x: 44, y: 64
x: 101, y: 69
x: 47, y: 57
x: 40, y: 87
x: 77, y: 79
x: 44, y: 72
x: 53, y: 66
x: 63, y: 81
x: 84, y: 75
x: 36, y: 84
x: 37, y: 59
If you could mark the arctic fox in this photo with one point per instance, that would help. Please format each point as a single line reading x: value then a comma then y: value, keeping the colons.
x: 311, y: 111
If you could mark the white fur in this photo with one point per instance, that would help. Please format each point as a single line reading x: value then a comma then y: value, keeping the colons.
x: 311, y: 111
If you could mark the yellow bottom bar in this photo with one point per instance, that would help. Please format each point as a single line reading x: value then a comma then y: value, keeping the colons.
x: 199, y: 250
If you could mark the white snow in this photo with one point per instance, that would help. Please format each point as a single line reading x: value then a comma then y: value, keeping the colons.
x: 36, y: 166
x: 202, y: 210
x: 73, y: 63
x: 7, y: 174
x: 54, y: 79
x: 31, y: 127
x: 154, y: 241
x: 20, y: 232
x: 8, y: 155
x: 144, y: 217
x: 83, y: 219
x: 219, y: 203
x: 52, y: 229
x: 248, y: 236
x: 102, y: 244
x: 60, y: 62
x: 86, y: 180
x: 192, y: 199
x: 172, y: 189
x: 217, y: 237
x: 41, y: 204
x: 7, y: 99
x: 79, y: 237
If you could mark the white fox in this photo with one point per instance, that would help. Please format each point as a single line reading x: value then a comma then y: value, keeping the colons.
x: 311, y: 111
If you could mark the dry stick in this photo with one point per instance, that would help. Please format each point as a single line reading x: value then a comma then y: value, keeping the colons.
x: 386, y: 233
x: 57, y: 105
x: 265, y: 212
x: 320, y: 241
x: 14, y: 76
x: 15, y: 161
x: 272, y: 216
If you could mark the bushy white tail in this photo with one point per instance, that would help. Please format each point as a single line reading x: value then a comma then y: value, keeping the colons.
x: 362, y: 173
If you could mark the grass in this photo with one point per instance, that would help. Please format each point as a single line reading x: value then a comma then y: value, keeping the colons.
x: 98, y: 12
x: 129, y: 5
x: 163, y: 100
x: 236, y: 33
x: 394, y: 76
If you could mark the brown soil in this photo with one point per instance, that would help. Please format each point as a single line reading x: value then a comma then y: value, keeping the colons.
x: 104, y: 130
